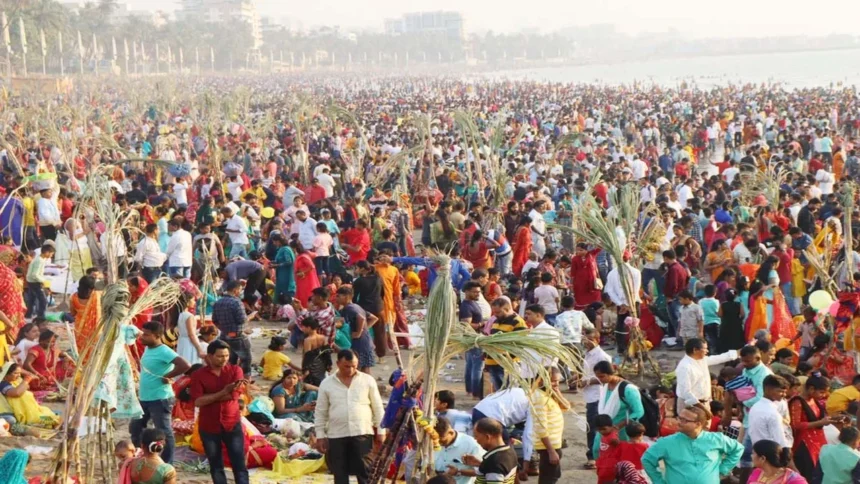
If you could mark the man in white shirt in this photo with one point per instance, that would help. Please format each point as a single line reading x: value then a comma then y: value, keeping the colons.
x: 731, y: 172
x: 148, y: 254
x: 290, y: 193
x: 510, y: 407
x: 306, y: 228
x: 825, y: 179
x: 534, y: 316
x: 49, y: 215
x: 180, y: 191
x: 638, y: 168
x: 685, y: 193
x: 114, y: 245
x: 590, y: 384
x: 538, y: 228
x: 327, y: 182
x: 348, y: 410
x: 766, y: 422
x: 693, y: 376
x: 237, y: 230
x: 647, y: 192
x: 179, y: 251
x: 615, y: 290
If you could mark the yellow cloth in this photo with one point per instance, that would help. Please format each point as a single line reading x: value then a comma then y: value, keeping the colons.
x: 5, y: 353
x: 259, y: 192
x: 413, y: 283
x: 821, y: 242
x: 840, y: 399
x: 273, y: 364
x: 29, y: 211
x: 28, y: 411
x: 798, y: 286
x: 548, y: 420
x: 852, y: 335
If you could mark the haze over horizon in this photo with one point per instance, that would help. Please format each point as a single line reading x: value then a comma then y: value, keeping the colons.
x: 729, y: 18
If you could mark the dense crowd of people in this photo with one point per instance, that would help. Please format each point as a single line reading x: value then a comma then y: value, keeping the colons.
x: 328, y: 229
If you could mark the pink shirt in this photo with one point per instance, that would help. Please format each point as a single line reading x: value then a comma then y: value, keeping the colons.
x: 322, y: 245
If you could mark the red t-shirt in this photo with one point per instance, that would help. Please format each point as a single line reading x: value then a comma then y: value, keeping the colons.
x: 219, y: 416
x: 610, y: 455
x: 632, y: 452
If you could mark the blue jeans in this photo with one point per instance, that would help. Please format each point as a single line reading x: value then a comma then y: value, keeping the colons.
x: 321, y: 264
x: 183, y: 272
x: 36, y: 300
x: 474, y: 372
x: 159, y: 411
x: 674, y: 316
x: 590, y: 417
x: 792, y: 302
x: 240, y: 352
x: 651, y: 274
x: 150, y: 274
x: 497, y: 375
x: 234, y: 442
x: 239, y: 251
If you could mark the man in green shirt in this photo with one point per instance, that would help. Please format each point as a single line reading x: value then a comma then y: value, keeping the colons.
x: 693, y: 455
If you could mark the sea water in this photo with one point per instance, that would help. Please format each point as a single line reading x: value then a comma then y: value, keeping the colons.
x: 800, y: 70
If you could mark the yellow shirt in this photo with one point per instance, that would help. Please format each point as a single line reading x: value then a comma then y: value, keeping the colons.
x: 273, y: 364
x: 259, y: 193
x: 840, y: 399
x: 547, y: 421
x: 29, y: 211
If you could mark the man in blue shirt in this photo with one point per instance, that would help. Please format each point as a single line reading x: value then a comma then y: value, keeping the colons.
x: 459, y: 273
x: 667, y: 163
x: 693, y: 455
x: 159, y: 365
x: 756, y: 371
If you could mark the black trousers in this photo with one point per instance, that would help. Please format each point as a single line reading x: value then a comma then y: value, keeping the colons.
x: 350, y: 456
x: 256, y: 283
x: 49, y: 232
x: 549, y: 474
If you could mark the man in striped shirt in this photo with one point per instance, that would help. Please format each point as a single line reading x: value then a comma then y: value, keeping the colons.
x: 544, y: 429
x: 499, y: 464
x: 506, y: 321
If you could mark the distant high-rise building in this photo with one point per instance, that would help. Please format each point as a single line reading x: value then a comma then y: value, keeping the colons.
x: 224, y: 10
x: 449, y: 24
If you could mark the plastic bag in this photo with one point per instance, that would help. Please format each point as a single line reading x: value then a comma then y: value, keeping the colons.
x: 297, y: 467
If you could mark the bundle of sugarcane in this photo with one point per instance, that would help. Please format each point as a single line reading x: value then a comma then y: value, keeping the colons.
x: 441, y: 317
x: 465, y: 123
x: 395, y: 166
x: 765, y: 182
x: 99, y: 352
x: 335, y: 112
x: 400, y: 429
x: 516, y: 352
x: 847, y: 195
x: 821, y: 263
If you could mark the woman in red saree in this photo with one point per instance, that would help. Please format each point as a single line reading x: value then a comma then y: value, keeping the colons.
x: 11, y: 303
x: 356, y: 242
x: 305, y: 273
x: 808, y: 419
x: 42, y: 361
x: 824, y: 356
x: 522, y: 244
x: 137, y: 286
x: 584, y: 277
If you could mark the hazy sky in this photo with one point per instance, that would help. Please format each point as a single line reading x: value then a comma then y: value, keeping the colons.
x: 724, y: 18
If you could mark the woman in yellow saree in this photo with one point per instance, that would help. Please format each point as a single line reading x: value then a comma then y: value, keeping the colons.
x: 828, y: 238
x: 17, y: 396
